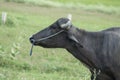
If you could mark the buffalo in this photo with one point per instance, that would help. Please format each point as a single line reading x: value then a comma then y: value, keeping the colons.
x: 98, y: 51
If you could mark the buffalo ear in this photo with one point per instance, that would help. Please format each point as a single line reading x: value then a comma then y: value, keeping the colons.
x: 68, y: 24
x: 73, y: 38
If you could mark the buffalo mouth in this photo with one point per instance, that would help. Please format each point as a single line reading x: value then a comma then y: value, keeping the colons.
x: 33, y: 42
x: 37, y: 43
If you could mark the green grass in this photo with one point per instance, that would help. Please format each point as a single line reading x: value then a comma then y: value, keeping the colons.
x: 93, y: 2
x: 104, y: 6
x: 45, y: 64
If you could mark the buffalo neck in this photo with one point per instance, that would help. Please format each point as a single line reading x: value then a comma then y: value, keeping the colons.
x: 91, y: 42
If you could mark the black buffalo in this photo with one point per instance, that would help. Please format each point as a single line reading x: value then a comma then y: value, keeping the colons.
x: 98, y: 51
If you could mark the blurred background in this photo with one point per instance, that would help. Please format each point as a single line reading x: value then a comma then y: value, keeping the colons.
x: 19, y: 19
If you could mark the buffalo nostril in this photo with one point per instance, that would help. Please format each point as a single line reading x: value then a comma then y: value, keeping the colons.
x: 32, y: 40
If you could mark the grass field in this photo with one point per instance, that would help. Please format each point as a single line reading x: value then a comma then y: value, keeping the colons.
x: 105, y: 6
x: 45, y: 64
x: 88, y: 2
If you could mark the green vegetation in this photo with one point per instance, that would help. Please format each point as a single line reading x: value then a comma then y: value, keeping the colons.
x: 45, y: 64
x: 92, y: 2
x: 106, y: 6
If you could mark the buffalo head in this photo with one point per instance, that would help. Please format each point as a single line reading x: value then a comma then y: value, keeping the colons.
x: 54, y: 36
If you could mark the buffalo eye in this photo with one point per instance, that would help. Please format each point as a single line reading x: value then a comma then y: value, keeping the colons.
x: 54, y: 26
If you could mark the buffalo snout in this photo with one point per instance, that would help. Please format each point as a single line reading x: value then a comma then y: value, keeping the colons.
x: 32, y: 40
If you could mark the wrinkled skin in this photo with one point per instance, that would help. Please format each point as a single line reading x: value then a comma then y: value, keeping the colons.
x: 98, y: 50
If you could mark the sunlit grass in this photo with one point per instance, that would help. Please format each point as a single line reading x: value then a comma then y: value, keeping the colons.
x: 106, y: 6
x: 91, y: 2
